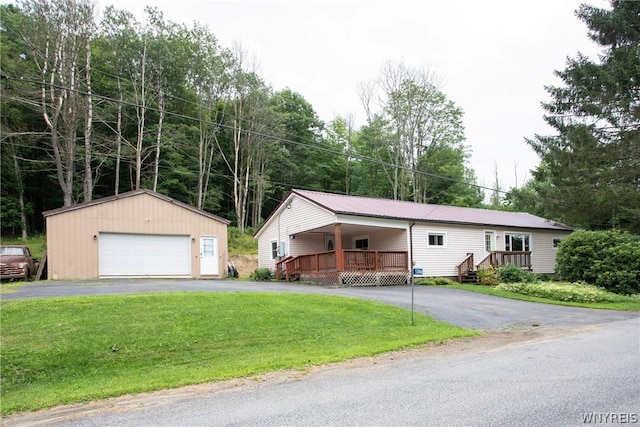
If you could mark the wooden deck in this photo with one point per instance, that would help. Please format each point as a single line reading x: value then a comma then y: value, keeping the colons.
x: 495, y: 259
x: 346, y: 267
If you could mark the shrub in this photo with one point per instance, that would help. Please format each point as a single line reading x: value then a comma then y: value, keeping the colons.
x: 434, y: 281
x: 513, y: 274
x: 488, y: 276
x: 574, y: 292
x: 610, y: 259
x: 619, y: 268
x: 262, y: 274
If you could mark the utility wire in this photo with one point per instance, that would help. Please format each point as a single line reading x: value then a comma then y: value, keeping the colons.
x: 272, y: 137
x: 244, y: 130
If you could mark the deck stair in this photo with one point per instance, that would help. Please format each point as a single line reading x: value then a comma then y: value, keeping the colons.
x: 470, y: 277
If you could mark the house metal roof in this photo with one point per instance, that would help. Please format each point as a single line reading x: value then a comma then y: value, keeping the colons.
x: 132, y: 194
x: 421, y: 212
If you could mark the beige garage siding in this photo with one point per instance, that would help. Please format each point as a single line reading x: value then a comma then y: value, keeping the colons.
x: 72, y: 235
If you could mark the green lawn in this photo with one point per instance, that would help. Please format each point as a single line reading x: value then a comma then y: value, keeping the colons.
x: 64, y: 350
x: 625, y: 303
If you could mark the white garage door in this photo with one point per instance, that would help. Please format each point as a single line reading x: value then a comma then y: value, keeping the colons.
x: 144, y: 255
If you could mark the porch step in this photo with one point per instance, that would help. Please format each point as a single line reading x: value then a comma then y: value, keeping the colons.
x: 470, y: 277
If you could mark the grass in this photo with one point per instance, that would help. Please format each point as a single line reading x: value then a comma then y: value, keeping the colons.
x: 556, y: 293
x: 241, y: 244
x: 63, y: 350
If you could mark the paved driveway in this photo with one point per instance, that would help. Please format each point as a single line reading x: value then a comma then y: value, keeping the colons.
x: 462, y: 308
x: 583, y: 371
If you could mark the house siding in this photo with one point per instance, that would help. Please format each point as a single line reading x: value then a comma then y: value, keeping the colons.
x: 385, y: 239
x: 543, y: 256
x: 289, y: 221
x: 443, y: 261
x: 308, y: 223
x: 72, y: 251
x: 461, y: 240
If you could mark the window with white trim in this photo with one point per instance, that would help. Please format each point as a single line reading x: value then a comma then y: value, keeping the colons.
x: 278, y: 251
x: 556, y: 242
x: 517, y: 242
x: 437, y: 239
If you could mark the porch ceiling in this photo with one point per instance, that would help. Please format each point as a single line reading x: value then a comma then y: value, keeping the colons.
x: 346, y: 229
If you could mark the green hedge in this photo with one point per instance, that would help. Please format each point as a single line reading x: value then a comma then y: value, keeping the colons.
x: 609, y: 259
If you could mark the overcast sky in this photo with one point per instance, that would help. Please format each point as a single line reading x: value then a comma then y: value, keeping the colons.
x: 494, y: 56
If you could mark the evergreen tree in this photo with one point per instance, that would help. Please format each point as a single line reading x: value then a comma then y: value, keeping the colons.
x: 590, y: 171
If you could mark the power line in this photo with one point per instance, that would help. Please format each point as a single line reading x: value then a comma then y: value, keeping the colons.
x: 288, y: 140
x: 312, y: 145
x: 266, y: 136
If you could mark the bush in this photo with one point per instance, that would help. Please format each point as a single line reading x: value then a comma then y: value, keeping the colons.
x: 619, y: 269
x: 574, y: 292
x: 488, y: 276
x: 262, y: 274
x: 610, y: 259
x: 434, y: 281
x: 513, y: 274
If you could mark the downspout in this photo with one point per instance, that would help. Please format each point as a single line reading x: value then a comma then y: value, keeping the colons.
x: 277, y: 249
x: 411, y: 267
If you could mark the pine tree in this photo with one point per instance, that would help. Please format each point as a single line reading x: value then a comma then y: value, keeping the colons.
x: 590, y: 171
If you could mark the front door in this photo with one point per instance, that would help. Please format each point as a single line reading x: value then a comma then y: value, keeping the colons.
x: 489, y: 241
x: 208, y: 256
x: 328, y: 243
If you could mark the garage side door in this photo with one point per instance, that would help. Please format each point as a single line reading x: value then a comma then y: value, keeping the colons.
x: 144, y: 255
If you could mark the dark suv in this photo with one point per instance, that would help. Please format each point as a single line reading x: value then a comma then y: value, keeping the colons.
x: 16, y: 262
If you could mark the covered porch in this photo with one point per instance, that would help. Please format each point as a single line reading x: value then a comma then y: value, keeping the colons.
x: 347, y: 267
x: 347, y: 255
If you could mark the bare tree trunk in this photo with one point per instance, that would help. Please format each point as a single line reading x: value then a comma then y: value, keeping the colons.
x: 118, y: 139
x: 347, y: 159
x: 201, y: 160
x: 141, y: 110
x: 88, y: 173
x: 496, y: 198
x: 237, y: 136
x: 258, y: 192
x: 158, y: 140
x: 207, y: 175
x: 57, y: 33
x: 23, y: 215
x: 52, y: 121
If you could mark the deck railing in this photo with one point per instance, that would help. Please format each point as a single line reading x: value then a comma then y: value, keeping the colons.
x: 520, y: 259
x: 354, y: 260
x: 465, y: 266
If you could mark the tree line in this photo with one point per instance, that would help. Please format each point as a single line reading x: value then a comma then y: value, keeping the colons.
x: 91, y: 109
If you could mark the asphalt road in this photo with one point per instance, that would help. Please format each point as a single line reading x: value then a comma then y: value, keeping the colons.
x: 578, y: 363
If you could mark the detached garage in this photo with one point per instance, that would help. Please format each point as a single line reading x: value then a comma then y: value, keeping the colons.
x: 135, y: 234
